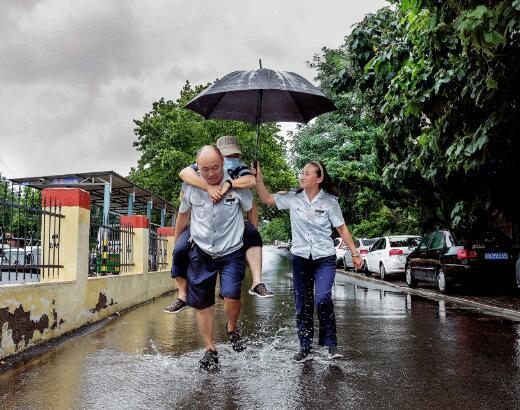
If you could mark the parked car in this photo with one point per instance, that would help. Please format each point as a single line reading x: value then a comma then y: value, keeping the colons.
x: 12, y: 256
x: 363, y: 246
x: 445, y: 258
x: 33, y: 255
x: 341, y: 248
x: 17, y: 261
x: 388, y: 255
x: 284, y: 245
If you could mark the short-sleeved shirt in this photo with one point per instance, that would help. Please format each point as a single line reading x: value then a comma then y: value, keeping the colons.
x: 217, y: 228
x: 311, y: 222
x: 234, y: 173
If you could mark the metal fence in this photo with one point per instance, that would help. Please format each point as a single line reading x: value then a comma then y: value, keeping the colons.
x: 157, y: 250
x: 27, y: 219
x: 111, y: 246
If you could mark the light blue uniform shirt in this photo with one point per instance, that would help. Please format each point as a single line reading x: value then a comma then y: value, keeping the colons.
x: 311, y: 222
x: 218, y: 228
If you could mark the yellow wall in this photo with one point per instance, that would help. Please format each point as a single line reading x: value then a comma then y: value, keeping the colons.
x: 73, y: 245
x: 34, y: 313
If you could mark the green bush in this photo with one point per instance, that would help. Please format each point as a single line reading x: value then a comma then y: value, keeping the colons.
x: 278, y: 228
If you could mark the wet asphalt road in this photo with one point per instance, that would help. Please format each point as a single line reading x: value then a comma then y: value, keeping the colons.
x: 400, y: 351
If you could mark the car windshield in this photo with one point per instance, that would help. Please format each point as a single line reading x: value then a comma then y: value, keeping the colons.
x: 404, y: 242
x: 369, y: 242
x: 484, y: 236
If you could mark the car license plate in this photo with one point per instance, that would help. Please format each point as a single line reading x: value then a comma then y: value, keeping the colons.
x: 496, y: 256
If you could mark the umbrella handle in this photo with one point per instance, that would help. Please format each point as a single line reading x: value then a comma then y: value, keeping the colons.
x: 258, y: 115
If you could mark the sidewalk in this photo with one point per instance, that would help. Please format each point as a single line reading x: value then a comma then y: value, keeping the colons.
x: 497, y: 302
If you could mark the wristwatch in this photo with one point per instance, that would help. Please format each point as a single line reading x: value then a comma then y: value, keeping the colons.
x: 230, y: 183
x: 355, y: 254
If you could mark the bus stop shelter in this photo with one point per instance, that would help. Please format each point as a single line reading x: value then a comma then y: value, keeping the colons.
x: 109, y: 191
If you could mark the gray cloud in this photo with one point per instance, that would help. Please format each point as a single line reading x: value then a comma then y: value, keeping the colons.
x: 130, y: 97
x: 75, y: 74
x: 85, y: 50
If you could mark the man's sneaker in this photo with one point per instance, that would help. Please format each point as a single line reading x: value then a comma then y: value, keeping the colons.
x: 236, y: 340
x: 261, y: 291
x: 178, y: 306
x: 334, y: 353
x: 303, y: 356
x: 209, y: 361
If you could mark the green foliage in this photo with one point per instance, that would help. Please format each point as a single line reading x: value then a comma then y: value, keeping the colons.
x: 19, y: 216
x: 426, y: 134
x: 386, y: 221
x: 345, y: 141
x: 443, y: 80
x: 278, y: 228
x: 169, y: 137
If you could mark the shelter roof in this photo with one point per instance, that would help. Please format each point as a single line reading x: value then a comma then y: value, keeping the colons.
x: 94, y: 183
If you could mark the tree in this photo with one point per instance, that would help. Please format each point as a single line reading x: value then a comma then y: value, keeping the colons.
x: 345, y: 141
x: 19, y: 212
x: 278, y: 228
x: 443, y: 79
x: 169, y: 137
x: 426, y: 131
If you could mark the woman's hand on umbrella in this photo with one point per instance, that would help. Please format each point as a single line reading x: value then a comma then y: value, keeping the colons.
x: 256, y: 171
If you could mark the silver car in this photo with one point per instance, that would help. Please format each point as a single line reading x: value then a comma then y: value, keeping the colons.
x: 363, y: 246
x: 388, y: 254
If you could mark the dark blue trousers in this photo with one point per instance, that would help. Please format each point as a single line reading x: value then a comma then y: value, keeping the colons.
x: 312, y: 281
x: 180, y: 254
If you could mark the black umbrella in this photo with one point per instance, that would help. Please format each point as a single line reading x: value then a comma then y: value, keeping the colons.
x: 261, y: 96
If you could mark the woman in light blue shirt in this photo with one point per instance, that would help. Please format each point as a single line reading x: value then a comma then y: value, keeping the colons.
x: 314, y: 209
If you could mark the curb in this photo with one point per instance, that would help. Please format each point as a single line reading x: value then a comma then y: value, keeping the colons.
x: 483, y: 307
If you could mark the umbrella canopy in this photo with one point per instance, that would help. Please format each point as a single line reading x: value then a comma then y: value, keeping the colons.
x: 261, y: 96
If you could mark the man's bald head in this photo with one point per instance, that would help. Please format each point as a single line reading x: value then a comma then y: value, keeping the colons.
x: 211, y: 164
x: 208, y: 150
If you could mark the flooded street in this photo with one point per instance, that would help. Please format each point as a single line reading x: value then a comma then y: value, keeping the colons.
x: 400, y: 351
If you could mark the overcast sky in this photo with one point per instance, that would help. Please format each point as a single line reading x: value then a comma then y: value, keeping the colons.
x: 74, y: 74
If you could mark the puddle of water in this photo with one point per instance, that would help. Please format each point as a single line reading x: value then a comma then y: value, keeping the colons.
x: 399, y: 351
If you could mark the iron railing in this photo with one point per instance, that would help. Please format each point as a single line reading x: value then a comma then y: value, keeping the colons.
x: 27, y: 219
x: 157, y: 250
x: 111, y: 246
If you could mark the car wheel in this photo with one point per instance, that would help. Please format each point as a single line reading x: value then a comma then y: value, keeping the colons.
x: 442, y: 285
x: 410, y: 279
x: 365, y: 269
x: 382, y: 271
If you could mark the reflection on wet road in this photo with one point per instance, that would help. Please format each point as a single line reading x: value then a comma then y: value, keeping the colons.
x: 399, y: 351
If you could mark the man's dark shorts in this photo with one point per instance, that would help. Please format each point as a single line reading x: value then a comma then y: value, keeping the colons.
x: 182, y: 246
x: 251, y: 236
x: 202, y: 276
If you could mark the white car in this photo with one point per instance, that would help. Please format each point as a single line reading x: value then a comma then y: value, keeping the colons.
x: 12, y: 256
x: 363, y: 246
x: 341, y: 248
x: 388, y: 255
